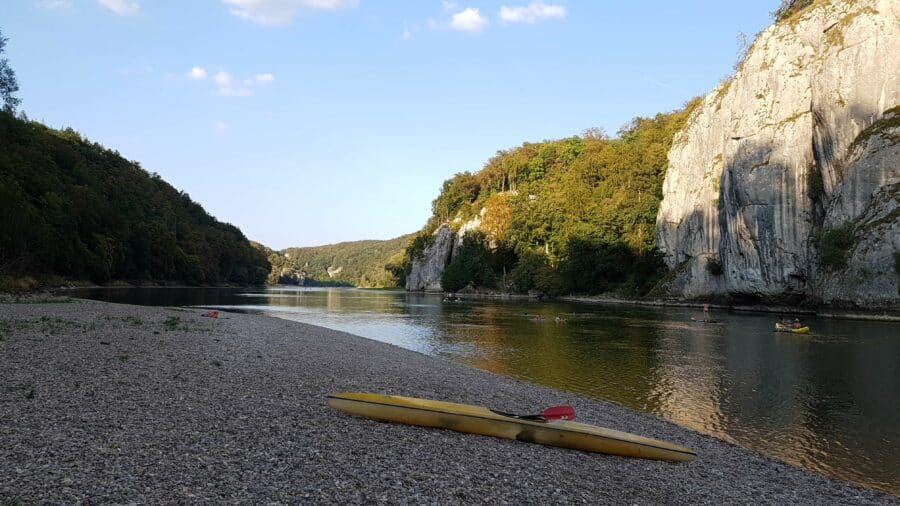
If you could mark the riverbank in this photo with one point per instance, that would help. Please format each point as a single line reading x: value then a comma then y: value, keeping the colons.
x: 874, y: 315
x: 881, y: 314
x: 116, y: 403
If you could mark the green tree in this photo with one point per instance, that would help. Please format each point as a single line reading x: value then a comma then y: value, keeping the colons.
x: 579, y: 213
x: 8, y: 83
x: 470, y: 266
x: 72, y: 208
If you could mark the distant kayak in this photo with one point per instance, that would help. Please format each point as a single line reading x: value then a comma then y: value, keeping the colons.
x: 481, y: 420
x: 780, y: 327
x: 704, y: 320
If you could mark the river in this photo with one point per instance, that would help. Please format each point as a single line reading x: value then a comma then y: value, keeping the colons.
x: 828, y: 401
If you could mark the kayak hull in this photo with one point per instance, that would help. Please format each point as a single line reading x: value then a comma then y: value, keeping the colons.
x: 480, y: 420
x: 783, y: 328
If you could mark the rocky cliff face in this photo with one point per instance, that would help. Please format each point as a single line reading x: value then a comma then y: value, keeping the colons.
x: 427, y: 270
x: 768, y: 162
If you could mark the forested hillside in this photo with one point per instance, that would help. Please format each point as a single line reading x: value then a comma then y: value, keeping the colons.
x: 74, y: 209
x: 366, y: 264
x: 574, y: 215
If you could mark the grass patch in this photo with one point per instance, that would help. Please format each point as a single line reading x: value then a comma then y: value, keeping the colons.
x: 889, y: 120
x: 30, y: 298
x: 173, y: 323
x: 133, y: 320
x: 43, y: 325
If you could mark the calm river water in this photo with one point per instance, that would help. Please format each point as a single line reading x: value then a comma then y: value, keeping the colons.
x: 828, y: 401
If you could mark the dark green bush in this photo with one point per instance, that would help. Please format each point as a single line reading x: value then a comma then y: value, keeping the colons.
x: 470, y: 266
x: 714, y: 267
x: 834, y: 246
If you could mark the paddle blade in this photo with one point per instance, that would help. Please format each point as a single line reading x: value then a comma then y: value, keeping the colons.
x: 559, y: 413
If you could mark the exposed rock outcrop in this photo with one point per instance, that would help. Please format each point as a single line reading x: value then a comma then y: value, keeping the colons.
x: 427, y: 270
x: 766, y: 161
x: 868, y: 201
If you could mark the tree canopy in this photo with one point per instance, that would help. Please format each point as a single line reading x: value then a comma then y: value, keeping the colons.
x: 364, y: 264
x: 8, y: 83
x: 569, y: 215
x: 75, y: 209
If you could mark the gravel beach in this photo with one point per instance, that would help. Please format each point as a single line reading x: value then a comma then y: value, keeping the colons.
x: 109, y: 403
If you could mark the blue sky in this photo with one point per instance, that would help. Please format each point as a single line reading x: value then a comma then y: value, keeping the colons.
x: 308, y: 122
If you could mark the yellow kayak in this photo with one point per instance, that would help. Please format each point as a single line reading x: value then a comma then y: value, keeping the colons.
x: 780, y: 327
x: 481, y: 420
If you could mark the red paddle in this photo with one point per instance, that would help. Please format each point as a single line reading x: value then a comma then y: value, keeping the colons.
x: 552, y: 413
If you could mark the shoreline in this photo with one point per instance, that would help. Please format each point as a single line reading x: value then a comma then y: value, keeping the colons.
x: 880, y: 314
x: 823, y: 312
x: 117, y: 403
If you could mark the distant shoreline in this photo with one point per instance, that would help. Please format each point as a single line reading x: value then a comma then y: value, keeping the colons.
x: 882, y: 314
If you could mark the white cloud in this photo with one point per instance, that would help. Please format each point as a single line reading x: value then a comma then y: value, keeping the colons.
x: 235, y: 91
x: 223, y: 78
x: 448, y: 6
x: 122, y: 7
x: 468, y: 20
x: 531, y: 13
x: 197, y: 73
x: 407, y: 34
x: 220, y: 127
x: 55, y: 5
x: 281, y: 12
x: 227, y: 85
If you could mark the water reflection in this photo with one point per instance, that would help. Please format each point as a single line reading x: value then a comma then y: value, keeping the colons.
x: 827, y: 401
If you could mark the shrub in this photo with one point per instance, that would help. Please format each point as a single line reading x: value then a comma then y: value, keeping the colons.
x: 790, y: 7
x: 834, y: 246
x: 714, y: 267
x: 471, y: 266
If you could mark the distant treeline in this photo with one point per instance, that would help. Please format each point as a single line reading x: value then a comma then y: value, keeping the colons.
x: 575, y: 215
x: 72, y: 208
x: 365, y: 264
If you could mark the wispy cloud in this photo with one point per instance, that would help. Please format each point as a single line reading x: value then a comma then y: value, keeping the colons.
x: 227, y: 85
x: 448, y: 6
x: 281, y: 12
x: 220, y: 127
x: 122, y: 7
x: 531, y: 13
x: 197, y: 73
x: 656, y: 82
x: 55, y: 5
x: 468, y: 20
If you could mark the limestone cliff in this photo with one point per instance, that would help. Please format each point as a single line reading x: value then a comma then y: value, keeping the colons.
x: 426, y: 270
x: 768, y: 162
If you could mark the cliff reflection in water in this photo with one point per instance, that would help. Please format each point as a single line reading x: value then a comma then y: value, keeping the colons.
x: 827, y: 401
